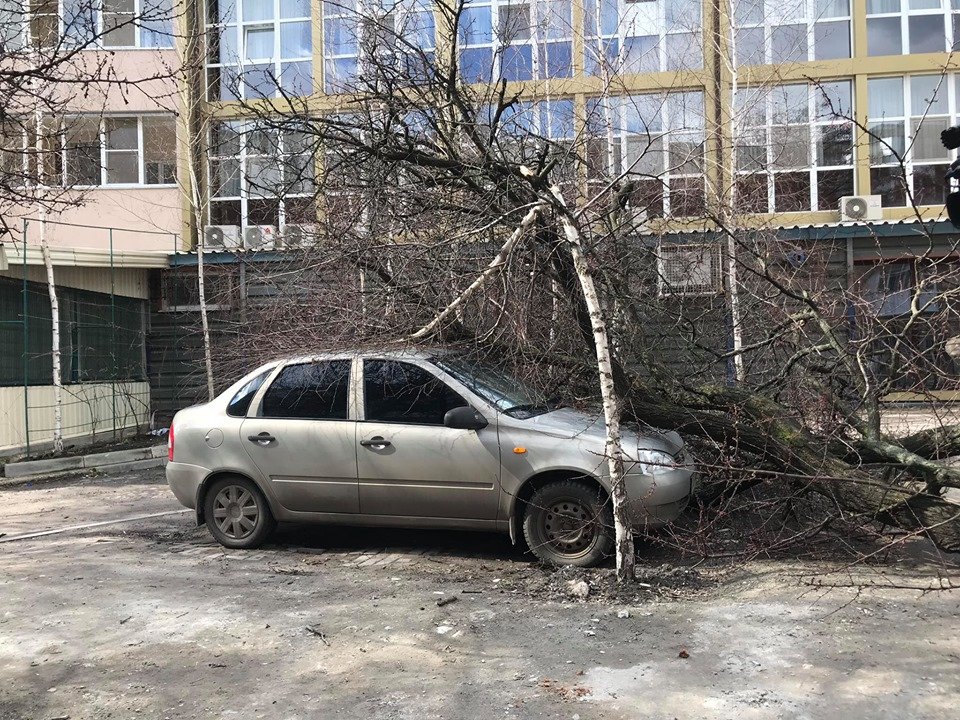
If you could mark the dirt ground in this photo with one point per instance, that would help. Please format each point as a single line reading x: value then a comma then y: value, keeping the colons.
x: 151, y: 619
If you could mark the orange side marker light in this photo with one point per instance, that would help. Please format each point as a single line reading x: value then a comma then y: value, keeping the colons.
x: 519, y: 450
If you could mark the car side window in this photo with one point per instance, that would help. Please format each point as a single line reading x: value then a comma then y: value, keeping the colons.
x: 315, y: 391
x: 238, y: 406
x: 400, y: 392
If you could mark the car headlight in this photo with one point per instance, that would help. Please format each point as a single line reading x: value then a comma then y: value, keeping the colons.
x: 654, y: 461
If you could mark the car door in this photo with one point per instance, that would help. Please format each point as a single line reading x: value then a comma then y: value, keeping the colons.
x: 408, y: 462
x: 303, y: 440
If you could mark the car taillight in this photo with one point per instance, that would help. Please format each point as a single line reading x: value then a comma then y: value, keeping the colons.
x: 170, y: 444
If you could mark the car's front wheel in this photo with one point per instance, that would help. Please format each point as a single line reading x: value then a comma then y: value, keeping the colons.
x: 569, y: 522
x: 237, y: 513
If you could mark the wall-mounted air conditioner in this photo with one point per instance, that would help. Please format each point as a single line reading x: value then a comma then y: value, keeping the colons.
x: 221, y: 237
x: 260, y: 237
x: 299, y: 235
x: 860, y: 207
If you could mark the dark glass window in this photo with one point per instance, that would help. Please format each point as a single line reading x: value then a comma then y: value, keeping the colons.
x: 404, y: 393
x: 317, y: 391
x: 240, y: 403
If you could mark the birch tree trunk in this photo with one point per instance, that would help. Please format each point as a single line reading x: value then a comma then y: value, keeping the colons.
x: 57, y: 377
x: 54, y: 337
x: 204, y: 321
x: 612, y: 411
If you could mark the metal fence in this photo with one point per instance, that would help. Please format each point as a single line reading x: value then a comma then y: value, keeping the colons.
x: 103, y: 323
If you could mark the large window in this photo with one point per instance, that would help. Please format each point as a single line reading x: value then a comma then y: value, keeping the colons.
x: 259, y: 49
x: 403, y: 393
x: 516, y: 39
x: 794, y: 147
x: 115, y: 150
x: 785, y: 31
x: 908, y: 27
x: 260, y: 175
x: 107, y: 23
x: 657, y: 142
x: 906, y: 117
x: 312, y: 391
x: 626, y: 36
x: 362, y: 40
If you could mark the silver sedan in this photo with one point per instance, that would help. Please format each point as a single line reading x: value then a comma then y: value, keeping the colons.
x: 410, y: 439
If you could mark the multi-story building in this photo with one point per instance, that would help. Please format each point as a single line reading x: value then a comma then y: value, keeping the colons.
x: 110, y: 161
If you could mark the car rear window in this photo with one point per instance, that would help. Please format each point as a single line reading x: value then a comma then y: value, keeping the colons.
x: 240, y: 403
x: 315, y: 391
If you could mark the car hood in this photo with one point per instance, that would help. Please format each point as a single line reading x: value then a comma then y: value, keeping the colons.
x: 589, y: 428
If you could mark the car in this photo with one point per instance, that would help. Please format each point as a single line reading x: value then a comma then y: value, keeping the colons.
x: 414, y: 439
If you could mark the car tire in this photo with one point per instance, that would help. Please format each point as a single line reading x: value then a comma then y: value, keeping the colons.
x: 569, y: 522
x: 237, y: 513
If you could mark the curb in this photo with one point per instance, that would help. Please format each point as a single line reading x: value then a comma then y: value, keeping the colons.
x: 116, y: 461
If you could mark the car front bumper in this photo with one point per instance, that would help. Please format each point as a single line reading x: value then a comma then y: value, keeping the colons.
x: 185, y: 481
x: 658, y: 499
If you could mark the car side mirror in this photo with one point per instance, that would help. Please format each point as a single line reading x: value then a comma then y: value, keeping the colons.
x: 464, y: 418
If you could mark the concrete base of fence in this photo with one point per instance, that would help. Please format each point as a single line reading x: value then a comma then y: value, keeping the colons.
x: 116, y: 461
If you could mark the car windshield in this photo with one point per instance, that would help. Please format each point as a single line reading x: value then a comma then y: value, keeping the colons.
x: 505, y: 392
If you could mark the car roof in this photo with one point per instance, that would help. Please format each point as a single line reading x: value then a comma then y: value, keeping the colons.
x: 397, y: 354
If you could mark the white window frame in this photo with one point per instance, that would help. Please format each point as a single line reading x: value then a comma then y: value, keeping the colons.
x: 614, y: 116
x: 812, y: 122
x: 945, y: 11
x: 98, y: 42
x: 595, y: 44
x: 141, y: 162
x: 335, y: 11
x: 772, y: 18
x: 539, y: 41
x: 242, y: 128
x: 948, y: 88
x: 238, y: 26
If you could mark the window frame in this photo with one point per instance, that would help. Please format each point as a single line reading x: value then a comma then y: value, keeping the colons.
x: 669, y: 104
x: 275, y: 65
x: 946, y: 11
x: 597, y: 43
x: 539, y: 40
x: 284, y: 200
x: 949, y: 92
x: 104, y: 152
x: 100, y: 35
x: 359, y: 23
x: 816, y: 125
x: 810, y: 19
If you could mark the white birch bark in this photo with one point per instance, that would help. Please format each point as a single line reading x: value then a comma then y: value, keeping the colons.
x: 57, y: 377
x: 611, y: 402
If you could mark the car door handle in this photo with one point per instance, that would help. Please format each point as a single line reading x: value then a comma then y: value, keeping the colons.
x: 375, y: 442
x: 263, y: 438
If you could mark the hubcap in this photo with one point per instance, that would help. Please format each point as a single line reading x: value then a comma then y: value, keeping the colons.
x: 568, y: 527
x: 236, y: 512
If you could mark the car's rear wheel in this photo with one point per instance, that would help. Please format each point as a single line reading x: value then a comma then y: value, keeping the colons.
x: 569, y: 522
x: 237, y: 513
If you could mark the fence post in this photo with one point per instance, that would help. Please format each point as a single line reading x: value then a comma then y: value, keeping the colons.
x: 26, y: 344
x: 113, y: 342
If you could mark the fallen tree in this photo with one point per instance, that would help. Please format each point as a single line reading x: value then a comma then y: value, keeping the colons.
x: 431, y: 178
